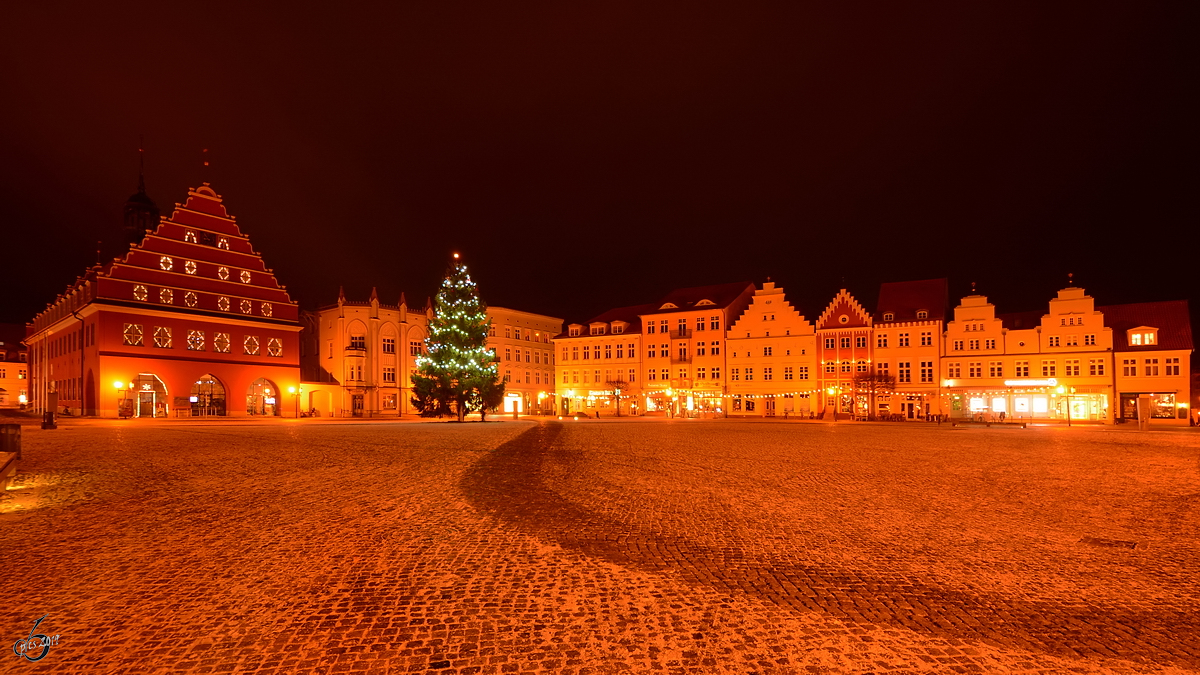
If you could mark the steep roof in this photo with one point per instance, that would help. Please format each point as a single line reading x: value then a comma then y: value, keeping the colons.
x: 1021, y: 320
x: 630, y: 315
x: 905, y: 298
x: 1170, y: 317
x: 721, y: 295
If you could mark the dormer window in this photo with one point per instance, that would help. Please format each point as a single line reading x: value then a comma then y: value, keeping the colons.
x: 922, y: 314
x: 669, y: 305
x: 706, y: 301
x: 598, y: 330
x: 1142, y: 336
x: 573, y: 331
x: 888, y: 316
x: 618, y: 329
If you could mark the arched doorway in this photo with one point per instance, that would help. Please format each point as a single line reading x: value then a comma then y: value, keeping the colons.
x: 207, y: 397
x: 262, y: 398
x: 150, y: 396
x: 321, y: 402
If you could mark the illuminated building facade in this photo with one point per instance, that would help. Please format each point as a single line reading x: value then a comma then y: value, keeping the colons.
x: 189, y: 322
x: 844, y: 332
x: 14, y: 369
x: 600, y: 361
x: 903, y: 375
x: 522, y: 343
x: 772, y: 360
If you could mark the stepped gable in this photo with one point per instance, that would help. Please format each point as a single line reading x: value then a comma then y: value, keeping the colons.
x: 844, y: 304
x: 1170, y: 317
x: 903, y: 299
x: 198, y: 261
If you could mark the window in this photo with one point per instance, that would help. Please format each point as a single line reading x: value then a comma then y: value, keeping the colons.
x: 682, y: 327
x: 803, y: 372
x: 767, y: 375
x: 787, y: 372
x: 246, y: 306
x: 861, y: 367
x: 1072, y: 368
x: 922, y: 314
x: 221, y: 343
x: 749, y: 374
x: 166, y: 263
x: 573, y: 331
x: 1049, y: 368
x: 274, y: 347
x: 665, y: 375
x: 904, y: 371
x: 389, y: 345
x: 888, y: 316
x: 699, y: 323
x: 830, y: 343
x: 1089, y: 340
x: 845, y: 342
x: 881, y: 340
x: 133, y: 334
x: 617, y: 329
x: 975, y: 369
x: 596, y: 352
x: 715, y: 348
x: 926, y: 339
x: 223, y: 303
x: 1129, y: 367
x: 389, y: 400
x: 1054, y: 341
x: 650, y: 327
x: 699, y: 349
x: 735, y: 374
x: 139, y: 293
x: 250, y: 345
x: 265, y: 308
x: 716, y: 373
x: 990, y: 343
x: 190, y: 299
x: 189, y: 267
x: 714, y: 323
x: 195, y: 340
x: 1072, y: 340
x: 1095, y: 366
x: 1172, y: 366
x: 597, y: 330
x: 166, y: 296
x: 162, y: 337
x: 358, y: 342
x: 902, y: 340
x: 700, y: 373
x: 831, y: 367
x: 223, y: 243
x: 607, y: 351
x: 845, y: 366
x: 767, y: 351
x: 1022, y: 369
x: 508, y: 354
x: 222, y: 273
x: 860, y: 341
x: 974, y: 344
x: 954, y: 370
x: 662, y: 328
x: 995, y: 369
x: 927, y: 371
x: 415, y: 348
x: 958, y: 345
x: 189, y: 236
x: 244, y: 276
x: 1151, y: 367
x: 389, y: 374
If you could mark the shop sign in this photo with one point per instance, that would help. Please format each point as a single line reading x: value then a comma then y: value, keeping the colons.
x: 1047, y: 382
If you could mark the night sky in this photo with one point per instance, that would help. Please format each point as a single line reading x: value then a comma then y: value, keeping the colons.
x: 587, y: 158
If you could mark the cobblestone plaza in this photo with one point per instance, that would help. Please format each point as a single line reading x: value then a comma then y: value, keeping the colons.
x: 603, y: 546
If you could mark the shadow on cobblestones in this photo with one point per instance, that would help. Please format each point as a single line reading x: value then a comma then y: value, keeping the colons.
x: 508, y: 484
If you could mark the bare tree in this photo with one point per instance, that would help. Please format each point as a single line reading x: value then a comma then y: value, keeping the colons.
x: 617, y: 387
x: 873, y: 383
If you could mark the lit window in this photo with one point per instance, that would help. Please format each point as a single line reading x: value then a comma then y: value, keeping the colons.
x: 139, y: 293
x: 133, y: 334
x: 266, y: 308
x: 223, y: 273
x: 246, y: 306
x: 221, y: 343
x: 162, y: 337
x: 166, y: 296
x: 166, y: 263
x: 223, y: 243
x: 223, y: 303
x: 250, y: 345
x: 888, y: 316
x: 922, y: 314
x: 190, y: 237
x: 275, y: 348
x: 245, y: 276
x: 190, y: 267
x: 189, y: 299
x: 195, y: 340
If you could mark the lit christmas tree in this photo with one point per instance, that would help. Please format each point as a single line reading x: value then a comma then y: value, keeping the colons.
x: 457, y: 374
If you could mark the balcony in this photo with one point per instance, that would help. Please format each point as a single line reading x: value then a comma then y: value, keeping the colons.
x: 356, y: 350
x: 677, y: 359
x: 681, y: 334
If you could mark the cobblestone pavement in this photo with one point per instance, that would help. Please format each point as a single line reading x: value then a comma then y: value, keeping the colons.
x: 603, y: 546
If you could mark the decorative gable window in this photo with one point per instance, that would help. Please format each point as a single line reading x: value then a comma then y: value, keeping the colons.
x: 139, y: 293
x: 190, y: 237
x: 245, y: 276
x: 223, y: 243
x: 166, y: 263
x: 250, y: 345
x: 221, y: 343
x: 162, y: 337
x: 223, y: 303
x: 166, y: 296
x: 274, y: 347
x: 190, y: 299
x: 190, y: 267
x: 246, y: 306
x: 222, y: 273
x: 266, y: 309
x: 133, y: 334
x: 195, y: 340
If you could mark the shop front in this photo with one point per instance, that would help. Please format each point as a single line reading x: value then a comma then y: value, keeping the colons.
x: 1163, y: 406
x: 1027, y: 400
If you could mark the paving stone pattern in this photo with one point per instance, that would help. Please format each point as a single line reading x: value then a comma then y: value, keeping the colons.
x: 603, y: 546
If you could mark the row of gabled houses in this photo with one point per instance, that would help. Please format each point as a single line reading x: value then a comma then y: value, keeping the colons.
x: 190, y: 321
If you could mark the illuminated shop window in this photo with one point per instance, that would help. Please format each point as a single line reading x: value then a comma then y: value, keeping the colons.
x: 189, y: 299
x: 223, y: 273
x: 162, y: 337
x: 133, y: 334
x: 166, y: 263
x: 195, y: 340
x: 139, y: 293
x: 166, y: 296
x: 190, y: 267
x: 275, y: 348
x: 250, y: 345
x: 189, y: 236
x: 246, y: 306
x: 266, y: 308
x: 221, y: 343
x: 223, y: 303
x: 245, y: 275
x: 223, y: 243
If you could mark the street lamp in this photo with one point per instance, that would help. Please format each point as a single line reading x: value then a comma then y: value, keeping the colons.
x: 832, y: 391
x: 296, y: 394
x: 124, y: 408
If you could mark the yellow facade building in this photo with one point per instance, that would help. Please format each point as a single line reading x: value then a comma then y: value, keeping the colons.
x: 525, y: 355
x: 772, y: 359
x: 599, y: 366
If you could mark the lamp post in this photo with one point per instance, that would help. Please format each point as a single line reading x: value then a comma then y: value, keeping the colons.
x: 832, y: 391
x: 122, y: 405
x: 296, y: 396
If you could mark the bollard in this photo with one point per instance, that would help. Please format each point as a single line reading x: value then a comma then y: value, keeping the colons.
x: 10, y: 438
x: 48, y: 421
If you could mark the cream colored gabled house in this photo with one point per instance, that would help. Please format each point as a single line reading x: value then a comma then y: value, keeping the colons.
x: 522, y: 344
x: 909, y: 328
x: 599, y: 364
x: 772, y: 358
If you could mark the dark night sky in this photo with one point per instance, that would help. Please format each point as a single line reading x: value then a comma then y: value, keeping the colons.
x: 582, y: 159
